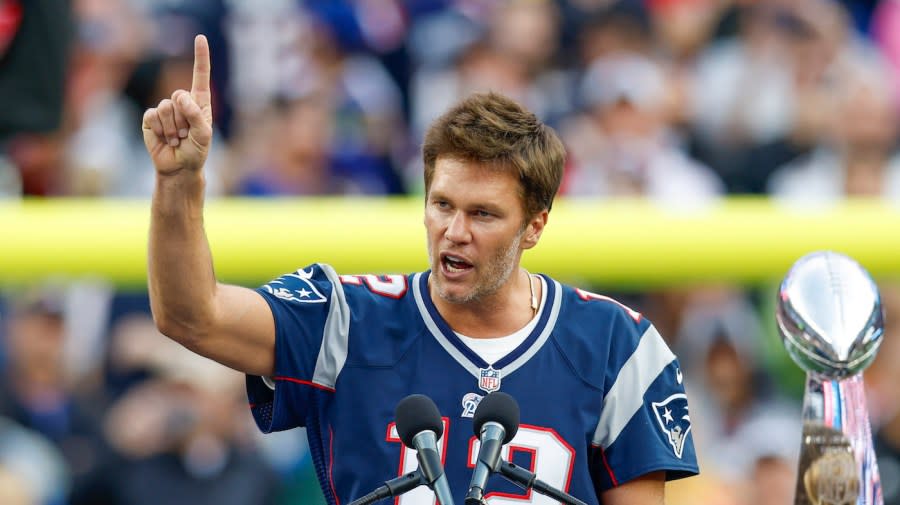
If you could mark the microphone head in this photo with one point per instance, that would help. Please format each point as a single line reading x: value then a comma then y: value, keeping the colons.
x: 415, y: 414
x: 500, y: 408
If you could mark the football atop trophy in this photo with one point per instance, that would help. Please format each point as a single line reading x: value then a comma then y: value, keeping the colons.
x: 829, y: 315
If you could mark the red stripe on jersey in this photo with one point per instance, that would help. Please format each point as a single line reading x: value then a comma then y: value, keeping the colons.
x: 305, y: 383
x: 331, y: 465
x: 612, y: 476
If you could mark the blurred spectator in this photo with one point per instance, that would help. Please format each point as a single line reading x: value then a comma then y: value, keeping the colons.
x: 181, y: 436
x: 118, y: 51
x: 298, y: 160
x: 358, y: 108
x: 369, y: 127
x: 737, y: 415
x: 501, y: 59
x: 624, y: 147
x: 620, y: 28
x: 792, y: 56
x: 540, y: 20
x: 270, y: 50
x: 377, y: 26
x: 438, y: 35
x: 857, y: 155
x: 742, y: 94
x: 36, y: 392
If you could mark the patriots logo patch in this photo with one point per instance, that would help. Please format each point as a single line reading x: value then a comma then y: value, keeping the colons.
x: 673, y: 418
x: 296, y: 287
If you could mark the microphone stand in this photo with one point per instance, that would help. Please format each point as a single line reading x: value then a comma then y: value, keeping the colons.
x: 393, y: 487
x: 527, y: 480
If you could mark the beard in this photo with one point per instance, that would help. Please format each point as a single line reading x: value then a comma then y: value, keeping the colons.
x: 495, y: 274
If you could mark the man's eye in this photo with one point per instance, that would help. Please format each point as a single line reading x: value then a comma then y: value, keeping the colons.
x: 483, y: 213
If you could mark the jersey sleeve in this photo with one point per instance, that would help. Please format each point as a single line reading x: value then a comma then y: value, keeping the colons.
x: 645, y: 424
x: 312, y: 319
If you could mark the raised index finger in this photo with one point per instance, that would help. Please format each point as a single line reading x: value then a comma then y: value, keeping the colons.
x: 200, y: 84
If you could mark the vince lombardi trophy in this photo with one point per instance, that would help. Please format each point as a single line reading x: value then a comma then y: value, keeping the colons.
x: 831, y: 322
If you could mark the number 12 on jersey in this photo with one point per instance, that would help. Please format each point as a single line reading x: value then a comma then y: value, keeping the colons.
x: 552, y: 460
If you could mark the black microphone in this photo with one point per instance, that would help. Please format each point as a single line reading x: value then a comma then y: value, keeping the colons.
x: 419, y: 425
x: 527, y: 480
x: 495, y: 423
x: 393, y: 487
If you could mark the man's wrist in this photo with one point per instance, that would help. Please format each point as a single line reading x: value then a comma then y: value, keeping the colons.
x: 180, y: 192
x: 181, y: 178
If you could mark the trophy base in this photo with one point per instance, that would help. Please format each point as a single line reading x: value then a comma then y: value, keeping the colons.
x: 827, y: 473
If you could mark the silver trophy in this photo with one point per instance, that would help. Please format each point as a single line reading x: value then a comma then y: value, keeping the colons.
x: 831, y: 322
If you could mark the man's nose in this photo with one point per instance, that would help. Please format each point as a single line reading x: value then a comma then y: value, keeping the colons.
x: 458, y: 228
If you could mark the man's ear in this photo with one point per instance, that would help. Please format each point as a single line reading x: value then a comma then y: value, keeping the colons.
x: 534, y: 228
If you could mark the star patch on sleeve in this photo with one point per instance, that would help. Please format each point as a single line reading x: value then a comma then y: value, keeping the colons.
x: 674, y: 420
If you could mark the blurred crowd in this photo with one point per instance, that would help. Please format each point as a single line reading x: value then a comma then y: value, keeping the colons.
x: 681, y: 102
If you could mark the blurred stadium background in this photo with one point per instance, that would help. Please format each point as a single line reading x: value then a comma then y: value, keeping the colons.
x: 712, y: 143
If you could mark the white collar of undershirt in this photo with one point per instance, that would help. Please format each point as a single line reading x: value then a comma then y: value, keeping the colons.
x: 492, y: 349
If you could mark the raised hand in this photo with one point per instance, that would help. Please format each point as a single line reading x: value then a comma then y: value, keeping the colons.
x: 178, y: 132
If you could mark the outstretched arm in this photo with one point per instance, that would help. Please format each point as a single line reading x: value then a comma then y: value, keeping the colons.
x: 229, y: 324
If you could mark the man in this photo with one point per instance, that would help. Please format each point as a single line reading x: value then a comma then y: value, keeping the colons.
x: 604, y: 415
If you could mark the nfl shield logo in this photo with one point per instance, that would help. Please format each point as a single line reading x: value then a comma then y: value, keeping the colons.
x: 489, y: 380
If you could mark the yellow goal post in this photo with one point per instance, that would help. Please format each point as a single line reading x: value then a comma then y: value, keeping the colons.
x: 621, y: 243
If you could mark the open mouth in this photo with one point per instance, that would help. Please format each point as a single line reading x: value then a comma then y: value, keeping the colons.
x: 455, y: 264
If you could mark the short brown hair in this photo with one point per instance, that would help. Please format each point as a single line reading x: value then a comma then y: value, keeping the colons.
x: 491, y: 128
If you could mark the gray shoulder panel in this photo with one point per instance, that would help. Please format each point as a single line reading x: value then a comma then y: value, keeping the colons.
x: 335, y: 337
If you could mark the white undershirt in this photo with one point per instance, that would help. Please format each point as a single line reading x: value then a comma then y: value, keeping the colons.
x: 492, y: 349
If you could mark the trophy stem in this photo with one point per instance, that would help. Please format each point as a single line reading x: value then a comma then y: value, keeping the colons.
x: 837, y: 458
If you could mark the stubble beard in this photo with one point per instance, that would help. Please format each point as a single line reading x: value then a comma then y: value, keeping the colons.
x: 498, y: 272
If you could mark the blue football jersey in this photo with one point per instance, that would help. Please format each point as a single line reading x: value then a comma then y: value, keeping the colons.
x: 600, y: 392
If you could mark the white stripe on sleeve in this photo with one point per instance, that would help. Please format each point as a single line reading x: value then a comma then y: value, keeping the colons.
x: 333, y: 352
x: 626, y: 395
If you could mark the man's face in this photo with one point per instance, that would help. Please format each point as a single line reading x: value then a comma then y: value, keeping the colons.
x: 474, y: 221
